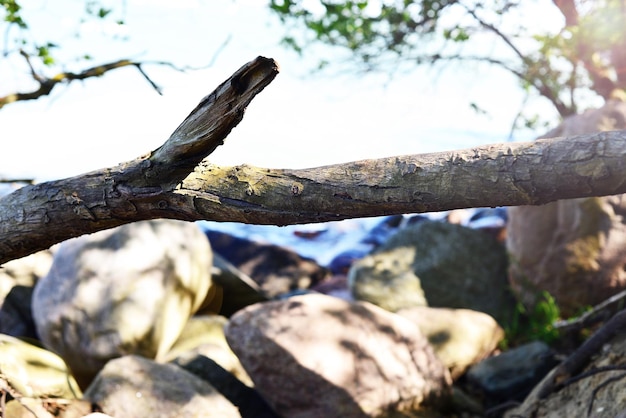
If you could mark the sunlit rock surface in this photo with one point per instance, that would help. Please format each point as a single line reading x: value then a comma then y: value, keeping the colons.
x: 128, y: 290
x: 317, y: 356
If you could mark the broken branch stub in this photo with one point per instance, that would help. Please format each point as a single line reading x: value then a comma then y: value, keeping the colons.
x: 209, y: 124
x: 37, y: 216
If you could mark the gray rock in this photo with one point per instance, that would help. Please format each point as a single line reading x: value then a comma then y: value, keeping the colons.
x: 512, y: 374
x: 126, y: 290
x: 386, y: 279
x: 460, y: 337
x: 316, y: 356
x: 457, y: 268
x: 275, y: 269
x: 133, y: 386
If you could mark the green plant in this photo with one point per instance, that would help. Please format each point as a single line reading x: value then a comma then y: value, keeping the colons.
x: 531, y: 325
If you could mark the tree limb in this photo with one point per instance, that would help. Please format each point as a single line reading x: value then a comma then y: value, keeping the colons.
x: 539, y: 83
x: 51, y: 212
x: 534, y: 78
x: 47, y: 84
x: 494, y: 175
x: 173, y: 181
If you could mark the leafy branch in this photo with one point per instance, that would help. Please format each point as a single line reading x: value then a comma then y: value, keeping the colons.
x: 47, y: 84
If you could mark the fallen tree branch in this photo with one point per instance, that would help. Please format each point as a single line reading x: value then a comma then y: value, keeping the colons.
x: 36, y: 216
x: 174, y: 182
x: 530, y: 173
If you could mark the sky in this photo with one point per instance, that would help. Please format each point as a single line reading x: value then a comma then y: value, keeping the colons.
x: 302, y: 119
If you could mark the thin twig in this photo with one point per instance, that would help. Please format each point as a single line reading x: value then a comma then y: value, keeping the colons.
x: 580, y: 358
x: 498, y: 33
x: 30, y: 66
x: 25, y: 180
x: 592, y: 372
x: 46, y: 85
x: 601, y: 386
x: 599, y: 313
x: 152, y: 83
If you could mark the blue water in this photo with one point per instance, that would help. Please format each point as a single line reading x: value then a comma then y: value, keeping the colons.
x: 321, y: 242
x: 324, y: 241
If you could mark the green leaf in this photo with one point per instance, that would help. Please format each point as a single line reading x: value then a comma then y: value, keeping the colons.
x: 102, y: 12
x: 290, y: 42
x: 12, y: 13
x: 43, y: 52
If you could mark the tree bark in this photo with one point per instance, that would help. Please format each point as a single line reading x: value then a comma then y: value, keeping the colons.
x: 175, y: 182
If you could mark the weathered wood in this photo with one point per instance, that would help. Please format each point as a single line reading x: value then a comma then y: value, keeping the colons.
x: 35, y: 217
x: 172, y: 182
x: 530, y: 173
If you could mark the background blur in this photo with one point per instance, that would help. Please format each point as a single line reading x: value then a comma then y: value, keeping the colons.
x: 303, y: 119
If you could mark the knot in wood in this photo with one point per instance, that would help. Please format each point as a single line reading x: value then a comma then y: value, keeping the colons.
x: 296, y: 189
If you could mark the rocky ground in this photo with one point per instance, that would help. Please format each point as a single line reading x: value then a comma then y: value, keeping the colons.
x: 415, y: 319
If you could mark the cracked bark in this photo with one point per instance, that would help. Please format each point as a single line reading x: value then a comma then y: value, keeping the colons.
x: 176, y: 182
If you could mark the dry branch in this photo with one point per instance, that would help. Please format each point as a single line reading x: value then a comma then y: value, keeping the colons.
x: 530, y: 173
x: 35, y: 217
x: 579, y: 359
x: 173, y: 181
x: 47, y: 84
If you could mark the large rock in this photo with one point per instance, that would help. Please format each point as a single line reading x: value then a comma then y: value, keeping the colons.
x: 457, y: 267
x: 460, y: 337
x: 317, y: 356
x: 133, y: 386
x: 573, y: 249
x: 128, y: 290
x: 275, y: 269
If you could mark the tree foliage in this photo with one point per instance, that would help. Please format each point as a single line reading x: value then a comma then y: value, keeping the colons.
x: 584, y: 53
x: 19, y: 36
x: 38, y: 53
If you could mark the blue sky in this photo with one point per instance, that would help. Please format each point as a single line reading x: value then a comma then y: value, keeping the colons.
x: 300, y: 120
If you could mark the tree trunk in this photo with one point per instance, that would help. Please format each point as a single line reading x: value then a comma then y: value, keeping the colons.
x: 173, y: 181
